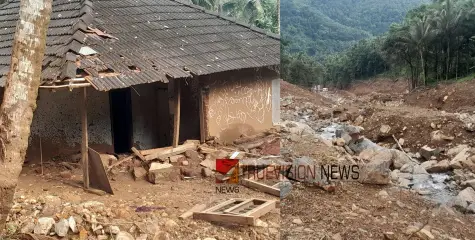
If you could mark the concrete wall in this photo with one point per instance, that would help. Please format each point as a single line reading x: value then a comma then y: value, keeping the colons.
x: 240, y: 102
x: 57, y: 120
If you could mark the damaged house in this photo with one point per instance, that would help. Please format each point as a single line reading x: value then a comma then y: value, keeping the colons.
x: 146, y: 73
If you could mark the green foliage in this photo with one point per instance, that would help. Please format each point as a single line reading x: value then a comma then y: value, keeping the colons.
x: 433, y: 42
x: 260, y: 13
x: 325, y: 27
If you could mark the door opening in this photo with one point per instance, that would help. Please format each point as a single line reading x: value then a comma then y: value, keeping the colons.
x: 121, y: 119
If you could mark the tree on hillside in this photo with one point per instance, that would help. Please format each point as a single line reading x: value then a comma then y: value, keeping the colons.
x: 21, y: 92
x: 448, y: 21
x: 419, y: 36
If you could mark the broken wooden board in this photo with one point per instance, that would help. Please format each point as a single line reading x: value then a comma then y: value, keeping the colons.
x: 261, y: 187
x: 97, y: 174
x: 238, y: 211
x: 169, y: 151
x: 138, y: 154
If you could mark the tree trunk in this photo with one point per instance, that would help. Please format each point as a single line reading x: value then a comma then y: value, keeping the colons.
x: 278, y: 16
x: 21, y: 91
x: 448, y: 60
x: 423, y: 67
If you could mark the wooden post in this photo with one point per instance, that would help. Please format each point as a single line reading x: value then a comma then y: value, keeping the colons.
x: 202, y: 117
x: 84, y: 144
x: 176, y: 122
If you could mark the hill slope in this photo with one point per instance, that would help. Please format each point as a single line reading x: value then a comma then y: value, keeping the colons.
x: 322, y: 27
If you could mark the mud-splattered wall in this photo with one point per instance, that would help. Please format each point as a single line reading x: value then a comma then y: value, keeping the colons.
x: 239, y: 102
x: 57, y: 120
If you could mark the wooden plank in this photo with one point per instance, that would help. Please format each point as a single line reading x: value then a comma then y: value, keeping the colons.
x: 223, y: 204
x: 225, y: 218
x: 84, y: 142
x: 97, y: 173
x: 262, y: 209
x: 176, y: 121
x: 120, y: 162
x: 167, y: 152
x: 196, y: 208
x: 261, y: 187
x: 238, y: 206
x: 136, y: 152
x: 202, y: 117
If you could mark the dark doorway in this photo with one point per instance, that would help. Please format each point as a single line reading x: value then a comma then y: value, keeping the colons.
x: 121, y: 119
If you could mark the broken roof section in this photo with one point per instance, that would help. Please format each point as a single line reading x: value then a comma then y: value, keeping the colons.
x: 119, y: 43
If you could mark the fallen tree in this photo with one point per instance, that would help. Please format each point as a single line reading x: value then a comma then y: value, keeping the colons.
x: 21, y: 92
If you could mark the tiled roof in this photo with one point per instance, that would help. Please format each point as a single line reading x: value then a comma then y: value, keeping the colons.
x: 139, y: 41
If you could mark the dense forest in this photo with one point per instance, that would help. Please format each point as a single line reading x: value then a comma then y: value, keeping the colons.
x: 433, y: 42
x: 322, y: 27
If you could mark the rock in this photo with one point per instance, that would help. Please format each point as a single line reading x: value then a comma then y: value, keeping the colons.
x: 52, y: 206
x: 162, y: 235
x: 114, y: 230
x: 427, y: 152
x: 73, y: 225
x: 432, y: 125
x: 383, y: 194
x: 44, y: 225
x: 456, y: 150
x: 427, y: 164
x: 363, y: 144
x: 469, y: 163
x: 471, y: 208
x: 413, y: 228
x: 442, y: 166
x: 340, y: 142
x: 395, y: 175
x: 205, y: 172
x: 170, y: 224
x: 192, y: 155
x: 185, y: 163
x: 401, y: 141
x: 28, y: 227
x: 389, y: 236
x: 359, y: 120
x: 455, y: 163
x: 154, y: 166
x: 377, y: 170
x: 176, y: 158
x: 296, y: 128
x: 425, y: 234
x: 399, y: 158
x: 418, y: 169
x: 385, y: 129
x: 260, y: 223
x: 124, y: 236
x: 61, y: 228
x: 337, y: 237
x: 139, y: 173
x: 464, y: 199
x: 469, y: 183
x: 407, y: 168
x: 67, y: 174
x: 107, y: 159
x: 297, y: 221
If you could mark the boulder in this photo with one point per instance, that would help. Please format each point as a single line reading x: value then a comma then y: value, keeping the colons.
x: 61, y: 228
x: 400, y: 158
x: 418, y: 169
x: 427, y: 152
x: 455, y: 163
x: 407, y: 168
x: 124, y: 236
x: 377, y: 170
x: 442, y: 166
x: 44, y: 225
x: 428, y: 164
x: 465, y: 198
x: 362, y: 144
x: 469, y: 163
x: 469, y: 183
x: 456, y: 150
x: 306, y: 170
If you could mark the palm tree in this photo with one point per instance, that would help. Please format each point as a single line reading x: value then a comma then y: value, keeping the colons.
x: 448, y: 21
x: 421, y: 32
